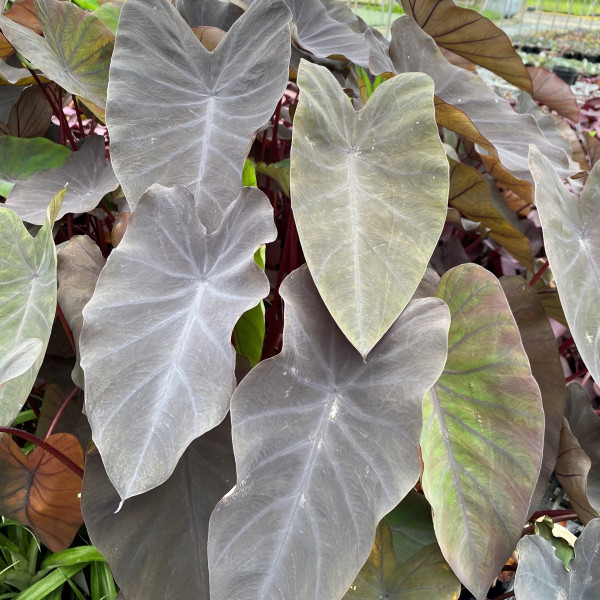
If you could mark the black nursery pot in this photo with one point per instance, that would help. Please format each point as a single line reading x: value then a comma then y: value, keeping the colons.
x: 567, y: 74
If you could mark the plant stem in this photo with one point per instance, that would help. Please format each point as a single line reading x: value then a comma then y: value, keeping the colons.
x: 78, y: 113
x: 555, y: 515
x: 60, y: 411
x: 504, y: 596
x: 579, y: 373
x: 65, y: 460
x: 65, y: 325
x: 540, y: 272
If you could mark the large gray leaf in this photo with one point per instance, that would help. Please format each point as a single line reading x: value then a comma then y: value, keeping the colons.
x: 156, y: 341
x: 172, y: 518
x: 87, y: 173
x: 542, y: 576
x: 178, y: 113
x: 369, y: 210
x: 326, y: 444
x: 79, y: 266
x: 413, y: 50
x: 27, y: 305
x: 211, y: 13
x: 585, y: 426
x: 571, y: 228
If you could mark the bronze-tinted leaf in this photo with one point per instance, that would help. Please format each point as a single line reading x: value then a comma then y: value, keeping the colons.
x: 30, y: 116
x: 572, y: 468
x: 209, y: 36
x: 40, y: 491
x: 471, y: 35
x: 551, y: 90
x: 592, y: 147
x: 24, y: 13
x: 470, y: 194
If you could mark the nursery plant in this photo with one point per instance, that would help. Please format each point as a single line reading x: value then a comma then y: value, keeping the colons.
x: 361, y: 219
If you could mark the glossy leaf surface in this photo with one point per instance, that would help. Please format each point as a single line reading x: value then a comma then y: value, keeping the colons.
x: 79, y: 266
x: 426, y: 574
x: 369, y: 210
x: 413, y: 50
x: 27, y: 298
x: 539, y: 342
x: 174, y: 516
x: 158, y: 361
x: 471, y: 35
x: 571, y: 228
x: 188, y: 115
x: 87, y: 173
x: 482, y: 439
x: 40, y: 491
x: 541, y: 575
x: 75, y: 50
x: 325, y: 444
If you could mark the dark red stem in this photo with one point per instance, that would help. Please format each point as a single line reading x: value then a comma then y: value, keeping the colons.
x: 65, y: 460
x: 78, y: 113
x: 540, y: 272
x: 579, y: 373
x: 60, y: 412
x: 63, y: 321
x: 504, y: 596
x: 555, y: 515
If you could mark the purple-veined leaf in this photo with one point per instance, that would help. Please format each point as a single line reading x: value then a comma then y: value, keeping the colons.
x: 585, y: 426
x: 79, y: 266
x: 209, y: 13
x: 179, y: 114
x: 87, y: 173
x: 156, y: 341
x: 483, y: 431
x: 424, y: 575
x: 542, y: 576
x: 551, y: 90
x: 571, y: 228
x: 369, y: 210
x: 74, y: 52
x: 173, y: 516
x: 540, y: 345
x: 325, y: 445
x: 413, y: 50
x: 27, y: 304
x: 30, y: 116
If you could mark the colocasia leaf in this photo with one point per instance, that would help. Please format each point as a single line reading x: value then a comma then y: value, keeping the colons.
x: 173, y: 516
x: 27, y: 303
x: 551, y: 90
x: 186, y: 114
x: 471, y: 35
x: 413, y: 50
x: 571, y: 228
x: 40, y: 491
x: 326, y: 444
x: 87, y: 174
x: 21, y: 158
x: 79, y: 266
x: 156, y: 341
x: 541, y: 575
x: 483, y: 431
x: 369, y: 210
x: 75, y: 50
x: 209, y: 13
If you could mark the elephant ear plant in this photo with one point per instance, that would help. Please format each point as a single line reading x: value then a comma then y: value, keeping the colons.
x: 359, y: 213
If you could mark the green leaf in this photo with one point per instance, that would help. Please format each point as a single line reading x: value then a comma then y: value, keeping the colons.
x: 571, y: 228
x: 369, y: 210
x: 561, y: 539
x: 20, y: 158
x: 73, y: 556
x: 27, y: 298
x: 102, y: 583
x: 75, y: 51
x: 249, y: 174
x: 425, y: 575
x: 483, y: 428
x: 279, y: 172
x: 40, y: 589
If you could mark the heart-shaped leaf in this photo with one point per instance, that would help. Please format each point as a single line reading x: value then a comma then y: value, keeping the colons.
x: 510, y: 133
x: 174, y: 515
x: 40, y: 491
x: 367, y: 222
x: 158, y: 360
x: 27, y: 298
x: 187, y: 114
x: 571, y: 228
x: 541, y: 575
x: 326, y: 445
x: 539, y: 342
x: 75, y: 50
x: 79, y: 266
x: 471, y: 35
x: 470, y: 193
x: 426, y: 573
x: 483, y: 431
x: 87, y: 173
x: 551, y: 90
